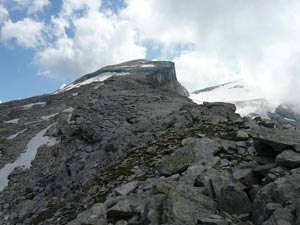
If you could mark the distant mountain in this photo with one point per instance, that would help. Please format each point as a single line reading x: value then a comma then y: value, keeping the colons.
x: 248, y: 103
x: 237, y: 92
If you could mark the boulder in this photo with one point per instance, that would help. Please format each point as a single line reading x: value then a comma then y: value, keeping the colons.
x: 284, y: 190
x: 281, y: 217
x: 214, y: 181
x: 264, y: 169
x: 245, y: 176
x: 288, y: 158
x: 242, y: 135
x: 278, y: 139
x: 126, y: 188
x: 93, y: 216
x: 152, y: 211
x: 121, y: 210
x: 213, y: 220
x: 121, y: 222
x: 196, y: 151
x: 234, y: 201
x: 184, y: 205
x: 267, y: 123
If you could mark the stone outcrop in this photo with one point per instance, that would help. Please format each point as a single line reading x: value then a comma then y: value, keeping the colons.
x: 161, y: 73
x: 132, y: 149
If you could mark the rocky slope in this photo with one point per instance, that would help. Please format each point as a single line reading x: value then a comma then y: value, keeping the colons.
x: 133, y: 149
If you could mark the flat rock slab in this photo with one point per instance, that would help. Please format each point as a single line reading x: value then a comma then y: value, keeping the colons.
x: 93, y: 216
x: 198, y: 150
x: 288, y: 158
x: 126, y: 188
x: 282, y: 217
x: 278, y: 139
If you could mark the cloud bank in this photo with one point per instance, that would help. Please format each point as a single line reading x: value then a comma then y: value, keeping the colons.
x: 27, y: 33
x: 257, y: 41
x: 253, y: 40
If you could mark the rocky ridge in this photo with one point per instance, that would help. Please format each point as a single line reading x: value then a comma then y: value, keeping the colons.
x: 132, y: 149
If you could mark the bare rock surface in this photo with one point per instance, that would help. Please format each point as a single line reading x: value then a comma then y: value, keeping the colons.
x: 124, y: 145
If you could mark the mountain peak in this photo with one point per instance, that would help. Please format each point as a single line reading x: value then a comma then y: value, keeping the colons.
x: 161, y: 73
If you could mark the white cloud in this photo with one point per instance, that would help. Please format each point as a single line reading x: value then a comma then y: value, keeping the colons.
x: 27, y: 33
x: 256, y: 40
x: 31, y: 7
x: 37, y: 6
x: 59, y: 26
x: 196, y: 69
x: 3, y: 14
x: 70, y: 7
x: 157, y: 20
x: 98, y: 40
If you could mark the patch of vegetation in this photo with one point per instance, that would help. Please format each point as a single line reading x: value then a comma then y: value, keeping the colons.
x: 114, y: 175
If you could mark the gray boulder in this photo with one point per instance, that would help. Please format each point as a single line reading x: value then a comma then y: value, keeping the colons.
x: 281, y: 217
x: 121, y: 210
x: 213, y: 220
x: 93, y: 216
x: 126, y: 188
x: 284, y: 190
x: 196, y: 151
x: 234, y: 201
x: 242, y: 135
x: 288, y: 158
x: 278, y: 139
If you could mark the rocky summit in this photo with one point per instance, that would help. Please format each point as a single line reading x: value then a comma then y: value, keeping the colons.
x: 125, y: 146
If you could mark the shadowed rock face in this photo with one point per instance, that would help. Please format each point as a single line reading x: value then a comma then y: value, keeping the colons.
x: 132, y: 149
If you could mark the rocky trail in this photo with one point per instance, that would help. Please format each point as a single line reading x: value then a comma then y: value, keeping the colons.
x: 133, y: 149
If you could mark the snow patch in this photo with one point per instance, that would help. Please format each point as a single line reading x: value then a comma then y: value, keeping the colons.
x: 62, y: 86
x: 49, y: 116
x: 98, y: 86
x: 290, y: 120
x: 260, y: 107
x: 33, y: 122
x: 70, y: 111
x: 148, y: 65
x: 99, y: 78
x: 230, y: 92
x: 236, y: 92
x: 15, y: 135
x: 42, y: 104
x: 138, y: 65
x: 74, y: 94
x: 14, y: 121
x: 27, y: 156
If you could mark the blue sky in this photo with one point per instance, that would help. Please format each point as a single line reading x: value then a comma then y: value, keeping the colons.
x: 19, y: 75
x: 47, y: 43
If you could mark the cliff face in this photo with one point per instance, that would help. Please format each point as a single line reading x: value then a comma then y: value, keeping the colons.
x: 161, y: 73
x: 132, y: 149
